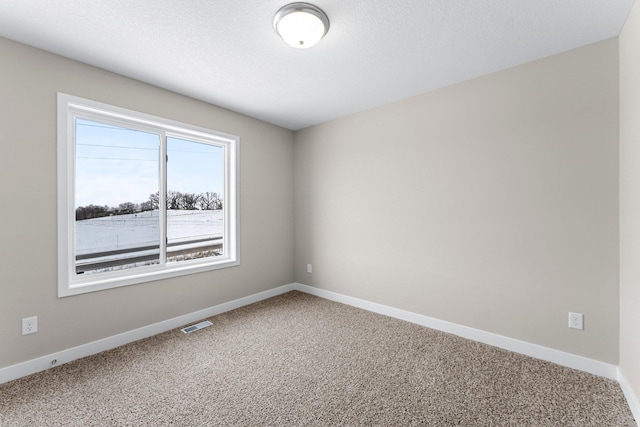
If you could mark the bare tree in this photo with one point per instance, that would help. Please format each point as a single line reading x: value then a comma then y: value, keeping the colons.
x: 91, y: 211
x: 127, y: 208
x: 189, y: 201
x: 173, y: 199
x: 217, y: 204
x: 207, y: 201
x: 154, y: 199
x: 146, y: 206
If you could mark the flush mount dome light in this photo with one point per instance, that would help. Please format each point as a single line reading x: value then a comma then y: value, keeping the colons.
x: 301, y: 25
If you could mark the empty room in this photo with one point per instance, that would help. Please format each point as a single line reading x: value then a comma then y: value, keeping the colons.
x: 364, y: 212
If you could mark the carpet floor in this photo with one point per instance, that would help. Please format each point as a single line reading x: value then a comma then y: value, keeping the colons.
x: 299, y: 360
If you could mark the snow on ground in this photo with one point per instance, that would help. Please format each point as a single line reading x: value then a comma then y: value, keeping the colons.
x: 142, y: 229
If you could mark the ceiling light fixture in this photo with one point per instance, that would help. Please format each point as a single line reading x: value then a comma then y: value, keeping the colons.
x: 301, y: 25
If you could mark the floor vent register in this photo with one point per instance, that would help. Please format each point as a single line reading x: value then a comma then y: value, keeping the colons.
x: 196, y: 327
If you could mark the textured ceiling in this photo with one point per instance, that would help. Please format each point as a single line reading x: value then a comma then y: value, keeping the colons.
x: 226, y: 52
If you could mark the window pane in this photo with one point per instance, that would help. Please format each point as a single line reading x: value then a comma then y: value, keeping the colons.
x: 195, y: 198
x: 116, y: 197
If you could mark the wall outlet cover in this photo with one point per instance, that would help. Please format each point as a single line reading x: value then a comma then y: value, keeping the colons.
x: 29, y: 325
x: 576, y: 321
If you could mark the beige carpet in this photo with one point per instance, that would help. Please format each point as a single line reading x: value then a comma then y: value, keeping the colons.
x: 298, y: 360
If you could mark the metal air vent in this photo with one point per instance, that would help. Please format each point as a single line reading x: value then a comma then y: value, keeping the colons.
x: 197, y: 326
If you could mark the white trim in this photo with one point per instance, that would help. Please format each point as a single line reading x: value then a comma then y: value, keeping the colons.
x: 43, y: 363
x: 69, y: 108
x: 595, y: 367
x: 539, y: 352
x: 632, y: 399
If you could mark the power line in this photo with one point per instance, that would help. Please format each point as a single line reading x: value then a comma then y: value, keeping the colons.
x: 118, y: 146
x: 116, y: 158
x: 98, y: 125
x: 141, y: 148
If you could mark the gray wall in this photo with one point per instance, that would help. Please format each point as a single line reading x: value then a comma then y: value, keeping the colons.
x: 492, y: 203
x: 630, y: 200
x: 29, y: 80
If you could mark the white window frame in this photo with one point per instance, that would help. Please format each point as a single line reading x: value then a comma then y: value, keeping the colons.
x: 69, y: 283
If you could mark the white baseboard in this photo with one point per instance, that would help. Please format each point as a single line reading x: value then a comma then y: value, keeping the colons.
x: 42, y: 363
x: 632, y: 400
x: 559, y: 357
x: 537, y: 351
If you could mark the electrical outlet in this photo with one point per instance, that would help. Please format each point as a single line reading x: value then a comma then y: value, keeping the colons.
x: 309, y: 268
x: 576, y: 320
x: 29, y: 325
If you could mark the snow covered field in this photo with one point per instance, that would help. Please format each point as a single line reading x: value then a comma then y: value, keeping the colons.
x: 142, y: 229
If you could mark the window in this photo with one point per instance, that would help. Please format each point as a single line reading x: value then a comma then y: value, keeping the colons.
x: 141, y: 198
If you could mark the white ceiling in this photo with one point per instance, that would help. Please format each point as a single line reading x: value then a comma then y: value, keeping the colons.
x: 226, y: 52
